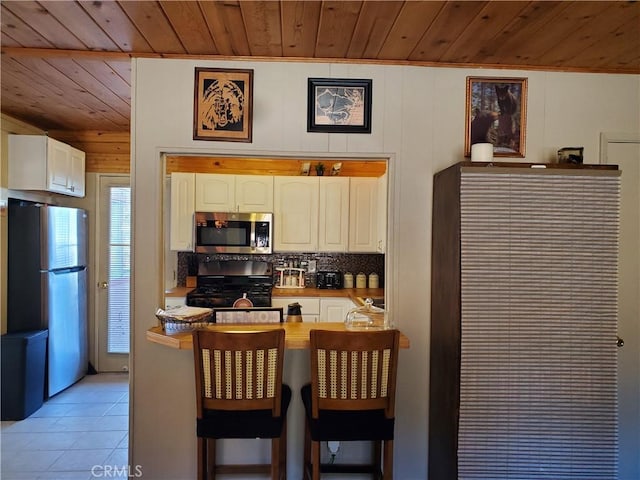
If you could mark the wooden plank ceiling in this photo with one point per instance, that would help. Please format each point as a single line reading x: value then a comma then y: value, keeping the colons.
x: 66, y: 64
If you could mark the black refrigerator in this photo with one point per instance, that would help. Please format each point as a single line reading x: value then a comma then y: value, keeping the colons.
x: 47, y: 285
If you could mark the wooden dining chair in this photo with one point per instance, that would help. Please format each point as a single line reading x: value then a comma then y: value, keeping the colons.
x: 351, y: 397
x: 240, y: 394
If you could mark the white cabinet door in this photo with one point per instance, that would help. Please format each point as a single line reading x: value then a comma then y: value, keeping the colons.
x: 333, y: 221
x: 310, y: 307
x: 363, y: 215
x: 76, y: 174
x: 37, y: 162
x: 182, y: 209
x: 254, y: 193
x: 215, y: 192
x: 58, y: 166
x: 335, y: 309
x: 296, y: 214
x: 172, y: 302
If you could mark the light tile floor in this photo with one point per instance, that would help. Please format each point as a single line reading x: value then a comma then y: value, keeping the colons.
x: 79, y: 434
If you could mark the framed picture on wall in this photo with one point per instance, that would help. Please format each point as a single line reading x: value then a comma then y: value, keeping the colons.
x: 339, y: 105
x: 496, y: 113
x: 223, y: 104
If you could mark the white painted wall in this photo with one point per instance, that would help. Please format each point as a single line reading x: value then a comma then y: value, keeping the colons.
x: 418, y: 121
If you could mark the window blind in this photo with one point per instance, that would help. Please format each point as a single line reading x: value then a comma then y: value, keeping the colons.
x: 538, y: 396
x: 119, y: 269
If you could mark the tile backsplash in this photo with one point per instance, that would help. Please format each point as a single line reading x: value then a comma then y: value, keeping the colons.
x: 342, y: 262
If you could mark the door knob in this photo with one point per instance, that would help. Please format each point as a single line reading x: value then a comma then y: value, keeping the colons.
x: 103, y: 285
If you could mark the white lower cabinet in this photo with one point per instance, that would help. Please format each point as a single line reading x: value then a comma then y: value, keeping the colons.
x: 335, y: 309
x: 172, y: 302
x: 310, y: 307
x: 331, y: 309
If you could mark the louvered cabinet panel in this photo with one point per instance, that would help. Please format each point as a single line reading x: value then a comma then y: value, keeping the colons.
x: 524, y: 320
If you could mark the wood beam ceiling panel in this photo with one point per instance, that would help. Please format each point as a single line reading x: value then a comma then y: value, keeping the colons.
x: 84, y: 28
x: 45, y: 103
x: 449, y: 23
x: 154, y: 26
x: 409, y: 28
x: 263, y: 25
x: 115, y: 22
x: 300, y: 27
x: 337, y: 21
x: 374, y: 24
x: 41, y: 21
x: 190, y: 26
x: 47, y: 75
x: 15, y: 32
x: 75, y: 71
x: 475, y: 42
x: 105, y: 74
x: 226, y: 27
x: 512, y: 45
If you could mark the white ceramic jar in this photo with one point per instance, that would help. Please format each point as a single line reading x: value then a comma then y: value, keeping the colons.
x: 374, y: 280
x: 361, y: 280
x: 347, y: 280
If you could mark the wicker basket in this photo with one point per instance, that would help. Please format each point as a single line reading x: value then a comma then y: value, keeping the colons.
x: 184, y: 319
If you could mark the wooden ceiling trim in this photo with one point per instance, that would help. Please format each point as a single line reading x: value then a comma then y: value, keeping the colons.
x: 263, y: 25
x: 271, y: 166
x: 193, y: 31
x: 299, y: 28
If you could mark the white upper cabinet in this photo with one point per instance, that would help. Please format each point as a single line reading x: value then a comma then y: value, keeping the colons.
x: 182, y: 210
x: 254, y: 193
x: 367, y: 215
x: 296, y: 214
x: 333, y: 223
x: 37, y: 162
x: 215, y: 192
x: 233, y: 193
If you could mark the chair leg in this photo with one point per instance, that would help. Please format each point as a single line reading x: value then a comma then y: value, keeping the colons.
x: 306, y: 465
x: 275, y: 459
x: 388, y: 460
x: 283, y: 451
x: 377, y: 458
x: 202, y: 458
x: 315, y: 460
x: 211, y: 458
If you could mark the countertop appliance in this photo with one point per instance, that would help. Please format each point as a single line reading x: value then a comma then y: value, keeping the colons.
x: 329, y: 279
x: 233, y: 232
x: 220, y: 283
x: 47, y: 285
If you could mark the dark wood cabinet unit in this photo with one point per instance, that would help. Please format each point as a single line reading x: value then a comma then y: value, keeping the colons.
x: 523, y: 322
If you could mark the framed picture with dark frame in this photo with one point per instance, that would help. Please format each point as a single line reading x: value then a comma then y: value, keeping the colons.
x: 223, y: 104
x: 339, y: 105
x: 496, y: 113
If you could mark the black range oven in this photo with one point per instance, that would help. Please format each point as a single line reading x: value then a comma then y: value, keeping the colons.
x: 220, y: 283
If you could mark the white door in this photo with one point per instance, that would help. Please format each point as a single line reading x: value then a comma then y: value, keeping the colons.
x: 113, y: 240
x: 625, y: 152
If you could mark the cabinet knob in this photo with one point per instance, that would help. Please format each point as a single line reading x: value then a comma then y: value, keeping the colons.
x: 620, y: 342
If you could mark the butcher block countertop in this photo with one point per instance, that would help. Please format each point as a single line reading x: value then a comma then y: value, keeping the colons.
x: 296, y: 334
x: 352, y: 293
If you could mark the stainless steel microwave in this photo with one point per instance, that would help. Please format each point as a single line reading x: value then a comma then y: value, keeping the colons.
x: 233, y: 232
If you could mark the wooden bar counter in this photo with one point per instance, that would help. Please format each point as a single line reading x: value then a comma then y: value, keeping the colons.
x: 296, y: 334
